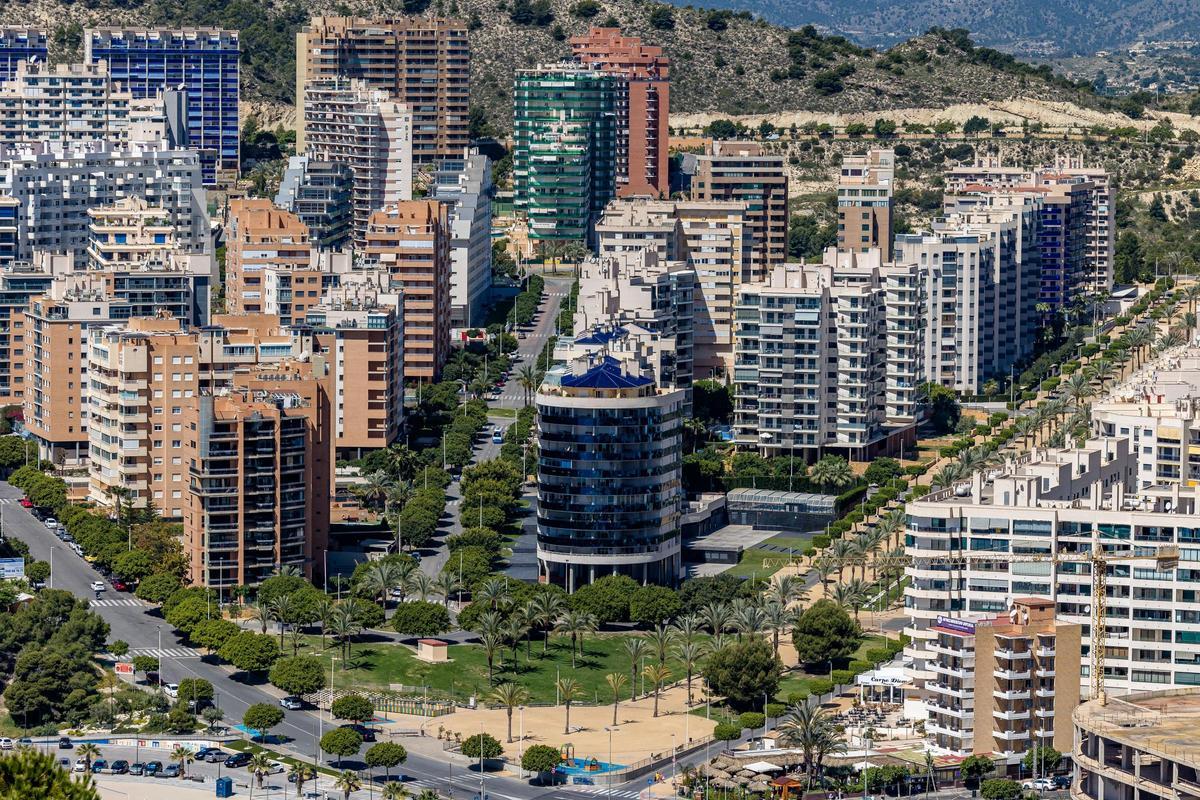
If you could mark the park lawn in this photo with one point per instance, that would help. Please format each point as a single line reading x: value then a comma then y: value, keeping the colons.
x: 377, y: 665
x: 750, y: 565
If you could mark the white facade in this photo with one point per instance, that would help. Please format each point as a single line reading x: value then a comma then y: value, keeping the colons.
x: 465, y: 184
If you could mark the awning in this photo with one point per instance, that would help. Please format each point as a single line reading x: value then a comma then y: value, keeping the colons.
x: 763, y: 766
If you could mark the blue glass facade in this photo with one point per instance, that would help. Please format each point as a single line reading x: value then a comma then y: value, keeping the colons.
x: 20, y: 44
x: 203, y: 61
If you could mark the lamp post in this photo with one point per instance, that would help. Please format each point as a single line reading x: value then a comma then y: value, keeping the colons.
x: 521, y: 740
x: 610, y: 761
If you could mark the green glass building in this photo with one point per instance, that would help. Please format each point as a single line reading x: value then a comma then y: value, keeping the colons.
x: 565, y: 149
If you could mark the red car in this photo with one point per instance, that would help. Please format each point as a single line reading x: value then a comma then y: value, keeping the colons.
x: 26, y: 503
x: 120, y: 585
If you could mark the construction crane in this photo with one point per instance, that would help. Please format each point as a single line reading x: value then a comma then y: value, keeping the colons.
x: 1098, y: 559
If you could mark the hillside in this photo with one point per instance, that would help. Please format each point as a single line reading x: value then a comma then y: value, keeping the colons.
x: 1029, y: 28
x: 722, y: 62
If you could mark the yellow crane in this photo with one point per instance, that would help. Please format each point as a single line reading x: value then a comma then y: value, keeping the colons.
x: 1098, y: 559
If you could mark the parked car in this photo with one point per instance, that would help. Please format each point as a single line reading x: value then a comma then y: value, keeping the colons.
x: 26, y: 502
x: 98, y: 586
x: 1039, y: 785
x: 65, y: 763
x: 291, y: 703
x: 172, y: 689
x: 99, y: 765
x: 137, y: 768
x: 275, y: 768
x: 64, y: 743
x: 1062, y: 781
x: 6, y: 743
x: 169, y: 771
x: 153, y: 768
x: 498, y: 437
x: 367, y: 734
x: 238, y: 760
x: 120, y: 585
x: 51, y: 522
x: 215, y: 754
x: 120, y: 767
x: 81, y: 765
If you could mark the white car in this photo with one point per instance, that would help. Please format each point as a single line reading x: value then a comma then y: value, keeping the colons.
x: 172, y: 689
x: 276, y: 767
x: 1039, y: 785
x: 5, y: 743
x: 81, y: 765
x: 51, y: 523
x: 98, y: 586
x: 291, y: 703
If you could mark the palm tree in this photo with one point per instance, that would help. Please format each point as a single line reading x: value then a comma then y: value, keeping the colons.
x: 841, y: 550
x: 182, y: 756
x: 689, y: 654
x: 493, y: 643
x: 373, y: 490
x: 515, y: 630
x: 493, y: 592
x: 282, y: 609
x: 657, y: 674
x: 402, y: 461
x: 750, y: 620
x: 261, y: 614
x: 510, y: 695
x: 636, y: 648
x: 859, y: 595
x: 825, y: 566
x: 397, y: 791
x: 688, y: 628
x: 786, y: 589
x: 716, y: 617
x: 1023, y: 427
x: 300, y: 773
x: 381, y: 578
x: 420, y: 585
x: 949, y: 475
x: 324, y: 607
x: 832, y: 472
x: 812, y: 731
x: 777, y: 619
x: 1078, y: 389
x: 528, y: 380
x: 661, y: 638
x: 615, y: 681
x: 568, y: 691
x: 576, y: 623
x: 1170, y: 339
x: 88, y: 752
x: 446, y: 584
x: 343, y: 625
x: 548, y: 608
x: 259, y: 766
x: 348, y: 782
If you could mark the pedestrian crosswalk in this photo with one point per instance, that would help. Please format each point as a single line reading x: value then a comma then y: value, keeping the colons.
x: 112, y: 602
x: 9, y: 501
x: 628, y: 794
x: 165, y: 652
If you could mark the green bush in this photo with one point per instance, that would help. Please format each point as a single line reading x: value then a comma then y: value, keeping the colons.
x: 797, y: 698
x: 725, y: 732
x: 776, y: 710
x: 858, y: 667
x: 878, y: 655
x: 752, y: 719
x: 820, y: 541
x: 843, y: 677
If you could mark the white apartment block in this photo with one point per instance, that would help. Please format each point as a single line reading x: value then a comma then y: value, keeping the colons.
x: 712, y: 238
x: 57, y: 183
x: 465, y: 185
x: 347, y: 122
x: 811, y: 360
x: 1027, y: 529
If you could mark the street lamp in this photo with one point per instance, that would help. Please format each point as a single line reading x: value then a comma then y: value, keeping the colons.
x: 610, y: 761
x: 521, y: 740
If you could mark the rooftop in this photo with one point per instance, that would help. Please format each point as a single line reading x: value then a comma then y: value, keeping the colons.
x: 606, y: 373
x: 1162, y: 722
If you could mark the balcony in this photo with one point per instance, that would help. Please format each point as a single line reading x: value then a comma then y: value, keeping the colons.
x: 1012, y: 736
x: 1044, y: 692
x: 1045, y: 672
x: 1011, y: 714
x: 1011, y: 694
x: 1011, y: 674
x: 1045, y: 652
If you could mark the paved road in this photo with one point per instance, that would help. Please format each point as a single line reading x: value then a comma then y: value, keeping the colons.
x: 529, y: 348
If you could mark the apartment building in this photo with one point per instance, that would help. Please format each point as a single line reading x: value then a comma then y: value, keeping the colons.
x: 564, y: 148
x: 144, y: 376
x: 811, y: 361
x: 610, y: 493
x: 259, y: 470
x: 261, y: 238
x: 712, y: 238
x: 320, y: 194
x: 1029, y: 531
x: 412, y: 242
x: 359, y: 331
x: 423, y: 63
x: 19, y: 283
x: 743, y: 172
x: 464, y: 184
x: 1003, y: 684
x: 55, y: 183
x: 637, y: 295
x: 1139, y: 748
x: 63, y: 102
x: 20, y: 44
x: 346, y: 122
x: 203, y: 61
x: 642, y: 111
x: 864, y: 198
x: 127, y: 233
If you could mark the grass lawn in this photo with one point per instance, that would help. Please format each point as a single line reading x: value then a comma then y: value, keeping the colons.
x: 241, y: 745
x: 751, y: 563
x: 801, y: 681
x: 378, y: 665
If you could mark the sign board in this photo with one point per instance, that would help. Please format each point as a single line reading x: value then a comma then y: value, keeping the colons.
x: 956, y: 625
x: 124, y: 667
x: 12, y: 568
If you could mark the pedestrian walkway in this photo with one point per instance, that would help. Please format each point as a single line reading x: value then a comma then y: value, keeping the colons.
x: 628, y: 794
x: 112, y: 602
x: 165, y: 652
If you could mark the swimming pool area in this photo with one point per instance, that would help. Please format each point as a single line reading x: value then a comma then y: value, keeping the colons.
x: 586, y: 766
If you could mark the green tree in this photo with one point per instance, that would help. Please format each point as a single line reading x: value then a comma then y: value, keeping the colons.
x: 261, y: 717
x: 482, y: 745
x: 743, y: 672
x: 212, y: 634
x: 158, y: 587
x: 388, y: 755
x: 145, y: 663
x: 353, y: 707
x: 250, y: 652
x: 542, y: 759
x: 134, y: 565
x: 824, y: 632
x: 727, y: 732
x: 976, y: 124
x: 298, y: 675
x: 419, y: 618
x: 973, y: 768
x: 1000, y: 789
x: 28, y: 773
x: 943, y: 407
x: 195, y: 689
x: 1042, y: 760
x: 882, y: 470
x: 661, y: 18
x: 606, y: 599
x: 341, y: 742
x: 652, y: 604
